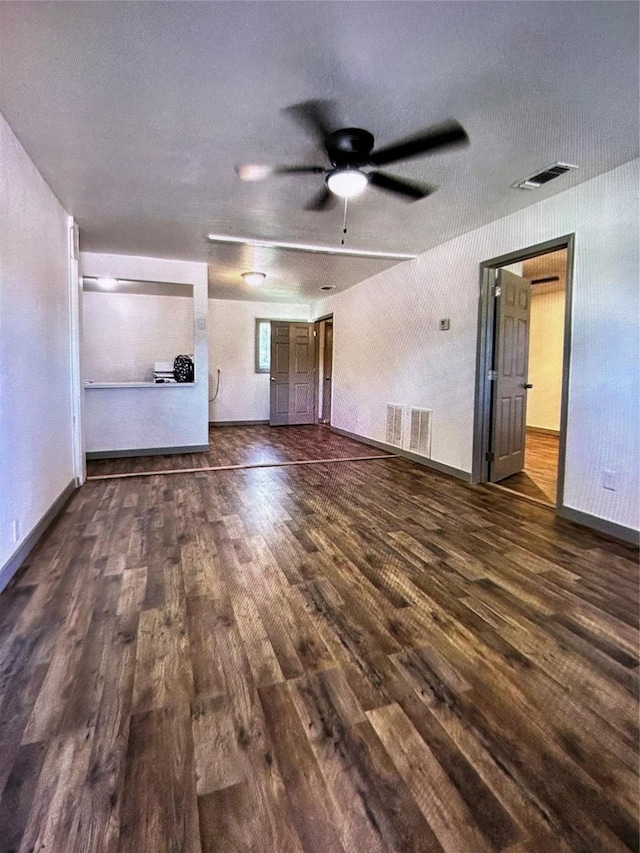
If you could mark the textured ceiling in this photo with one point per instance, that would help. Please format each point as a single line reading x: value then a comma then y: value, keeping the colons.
x: 136, y: 114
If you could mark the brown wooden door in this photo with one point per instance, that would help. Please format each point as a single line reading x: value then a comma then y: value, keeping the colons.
x: 327, y: 373
x: 292, y: 374
x: 510, y: 362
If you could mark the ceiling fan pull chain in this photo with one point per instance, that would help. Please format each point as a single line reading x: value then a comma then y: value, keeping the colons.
x: 344, y: 221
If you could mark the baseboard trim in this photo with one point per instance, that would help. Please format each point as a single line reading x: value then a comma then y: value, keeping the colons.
x: 543, y: 431
x: 237, y: 423
x: 465, y: 476
x: 147, y: 451
x: 601, y: 525
x: 20, y: 555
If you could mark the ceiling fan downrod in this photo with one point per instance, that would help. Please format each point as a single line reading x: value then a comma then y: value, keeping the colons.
x: 344, y: 221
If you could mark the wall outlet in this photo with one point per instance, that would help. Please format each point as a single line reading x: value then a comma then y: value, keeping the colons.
x: 16, y: 530
x: 610, y: 480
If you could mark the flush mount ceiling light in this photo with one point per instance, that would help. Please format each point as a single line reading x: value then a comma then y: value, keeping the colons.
x: 254, y: 278
x: 347, y: 183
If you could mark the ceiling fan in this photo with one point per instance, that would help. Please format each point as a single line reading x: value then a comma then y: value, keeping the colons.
x: 350, y: 150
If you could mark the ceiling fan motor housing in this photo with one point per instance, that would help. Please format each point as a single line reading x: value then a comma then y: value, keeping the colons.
x: 349, y: 147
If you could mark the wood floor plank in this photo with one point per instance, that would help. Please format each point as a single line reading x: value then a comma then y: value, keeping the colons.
x: 231, y: 821
x: 327, y: 727
x: 17, y: 798
x: 163, y: 671
x: 305, y: 787
x: 216, y: 750
x: 101, y: 799
x: 428, y: 783
x: 54, y: 823
x: 159, y: 810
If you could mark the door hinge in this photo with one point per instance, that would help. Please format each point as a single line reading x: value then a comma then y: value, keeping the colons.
x: 492, y: 375
x: 497, y: 290
x: 315, y: 334
x: 489, y: 456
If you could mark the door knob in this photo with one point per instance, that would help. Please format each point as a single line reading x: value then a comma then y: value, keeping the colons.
x: 528, y: 385
x: 273, y: 379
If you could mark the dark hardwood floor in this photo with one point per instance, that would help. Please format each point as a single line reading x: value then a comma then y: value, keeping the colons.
x: 245, y: 445
x: 354, y: 657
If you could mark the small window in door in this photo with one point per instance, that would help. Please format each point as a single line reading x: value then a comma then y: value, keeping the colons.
x: 263, y: 346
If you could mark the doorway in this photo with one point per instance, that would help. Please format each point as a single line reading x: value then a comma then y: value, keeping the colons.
x: 523, y: 369
x: 324, y: 338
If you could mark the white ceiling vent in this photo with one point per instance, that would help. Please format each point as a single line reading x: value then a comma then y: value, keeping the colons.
x: 544, y: 177
x: 394, y: 424
x: 420, y: 432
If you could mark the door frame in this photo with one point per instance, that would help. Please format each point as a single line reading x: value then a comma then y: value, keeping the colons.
x: 316, y: 326
x: 75, y: 349
x: 486, y: 332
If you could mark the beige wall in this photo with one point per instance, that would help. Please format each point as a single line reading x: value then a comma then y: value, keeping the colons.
x: 243, y: 394
x: 545, y: 358
x: 388, y: 347
x: 36, y: 410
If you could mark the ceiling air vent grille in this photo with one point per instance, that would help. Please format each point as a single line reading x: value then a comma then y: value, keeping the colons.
x: 420, y: 432
x: 545, y: 176
x: 394, y: 425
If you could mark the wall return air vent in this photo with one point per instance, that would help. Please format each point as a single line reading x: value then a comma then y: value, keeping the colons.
x: 394, y: 425
x: 544, y: 177
x: 420, y: 432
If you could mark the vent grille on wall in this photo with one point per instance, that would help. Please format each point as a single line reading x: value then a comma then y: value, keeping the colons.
x: 545, y: 176
x: 420, y: 432
x: 394, y: 425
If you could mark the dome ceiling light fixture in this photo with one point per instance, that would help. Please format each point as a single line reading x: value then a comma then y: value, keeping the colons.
x: 254, y: 278
x: 347, y: 183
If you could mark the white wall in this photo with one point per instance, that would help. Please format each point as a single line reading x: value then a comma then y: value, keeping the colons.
x: 387, y: 346
x: 244, y: 394
x: 546, y: 341
x: 125, y: 333
x: 156, y: 417
x: 36, y: 461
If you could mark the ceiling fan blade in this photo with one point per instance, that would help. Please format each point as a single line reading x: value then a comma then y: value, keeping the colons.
x: 316, y: 116
x: 411, y: 191
x: 439, y: 137
x: 253, y: 171
x: 299, y: 170
x: 323, y: 200
x: 258, y: 171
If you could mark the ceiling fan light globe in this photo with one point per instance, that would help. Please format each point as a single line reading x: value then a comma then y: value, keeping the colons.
x: 347, y: 183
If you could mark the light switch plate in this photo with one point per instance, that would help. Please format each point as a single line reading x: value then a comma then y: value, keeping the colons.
x: 445, y: 325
